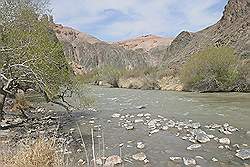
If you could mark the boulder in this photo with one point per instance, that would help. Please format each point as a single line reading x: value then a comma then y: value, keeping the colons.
x: 243, y: 154
x: 139, y: 156
x: 112, y: 161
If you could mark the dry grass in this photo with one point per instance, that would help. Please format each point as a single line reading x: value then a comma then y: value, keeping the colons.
x: 39, y: 154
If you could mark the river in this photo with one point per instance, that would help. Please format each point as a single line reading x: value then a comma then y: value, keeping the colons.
x: 183, y: 108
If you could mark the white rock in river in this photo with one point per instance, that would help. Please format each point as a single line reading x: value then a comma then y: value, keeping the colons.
x: 116, y: 115
x: 248, y: 133
x: 221, y: 147
x: 112, y: 161
x: 164, y: 128
x: 140, y: 107
x: 171, y: 123
x: 139, y: 156
x: 130, y: 127
x: 211, y: 136
x: 146, y: 161
x: 193, y: 146
x: 91, y: 122
x: 140, y: 145
x: 215, y: 160
x: 199, y: 157
x: 81, y: 161
x: 200, y: 136
x: 196, y: 125
x: 224, y: 141
x: 244, y: 154
x: 153, y: 122
x: 147, y: 115
x: 138, y: 120
x: 140, y: 115
x: 189, y: 161
x: 154, y: 131
x: 176, y: 159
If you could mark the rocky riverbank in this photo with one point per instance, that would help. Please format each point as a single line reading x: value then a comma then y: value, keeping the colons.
x: 17, y: 134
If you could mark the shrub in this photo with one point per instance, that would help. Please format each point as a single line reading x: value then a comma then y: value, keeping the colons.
x: 40, y: 154
x: 110, y: 74
x: 214, y: 69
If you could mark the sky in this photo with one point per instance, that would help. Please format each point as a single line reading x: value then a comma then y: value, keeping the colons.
x: 114, y: 20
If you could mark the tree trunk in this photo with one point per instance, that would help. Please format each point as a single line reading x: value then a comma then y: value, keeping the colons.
x: 2, y: 101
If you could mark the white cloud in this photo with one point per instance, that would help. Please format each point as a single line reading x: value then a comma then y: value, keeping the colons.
x: 141, y: 16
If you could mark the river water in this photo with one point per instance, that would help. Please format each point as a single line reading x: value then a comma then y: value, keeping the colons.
x: 207, y: 109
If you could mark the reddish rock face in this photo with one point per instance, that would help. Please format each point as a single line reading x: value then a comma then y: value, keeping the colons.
x: 146, y: 42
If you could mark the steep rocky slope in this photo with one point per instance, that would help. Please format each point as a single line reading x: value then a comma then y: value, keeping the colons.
x: 231, y: 30
x: 87, y: 52
x: 146, y: 42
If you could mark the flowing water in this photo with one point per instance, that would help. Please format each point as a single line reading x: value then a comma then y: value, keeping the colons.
x: 219, y: 108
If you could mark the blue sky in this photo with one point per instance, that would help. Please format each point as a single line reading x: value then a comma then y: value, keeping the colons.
x: 113, y: 20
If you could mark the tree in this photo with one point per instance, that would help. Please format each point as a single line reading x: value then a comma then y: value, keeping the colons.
x: 31, y: 57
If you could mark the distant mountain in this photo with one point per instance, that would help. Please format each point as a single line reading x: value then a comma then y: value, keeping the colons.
x: 87, y: 52
x: 146, y: 42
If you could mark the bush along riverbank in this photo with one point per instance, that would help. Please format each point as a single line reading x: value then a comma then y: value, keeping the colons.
x: 216, y: 70
x: 150, y: 78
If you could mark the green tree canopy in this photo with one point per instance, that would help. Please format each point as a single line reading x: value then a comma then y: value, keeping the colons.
x: 30, y: 54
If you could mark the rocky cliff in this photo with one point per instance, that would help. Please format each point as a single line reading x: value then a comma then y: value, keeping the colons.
x: 231, y: 30
x: 87, y: 52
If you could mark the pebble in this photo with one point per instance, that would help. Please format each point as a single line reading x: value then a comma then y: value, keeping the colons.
x: 243, y: 154
x: 199, y: 157
x: 224, y: 141
x: 154, y: 131
x: 140, y: 107
x: 139, y: 115
x: 81, y: 161
x: 189, y: 161
x: 139, y: 156
x: 175, y: 158
x: 116, y: 115
x: 140, y: 145
x: 215, y: 160
x: 164, y: 128
x: 147, y: 115
x: 221, y: 147
x: 200, y: 136
x: 138, y: 120
x: 113, y: 160
x: 196, y: 125
x: 146, y: 161
x: 130, y: 127
x: 193, y: 146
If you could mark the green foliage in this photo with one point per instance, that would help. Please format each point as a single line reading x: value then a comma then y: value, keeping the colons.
x: 30, y: 52
x: 211, y: 69
x: 110, y: 74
